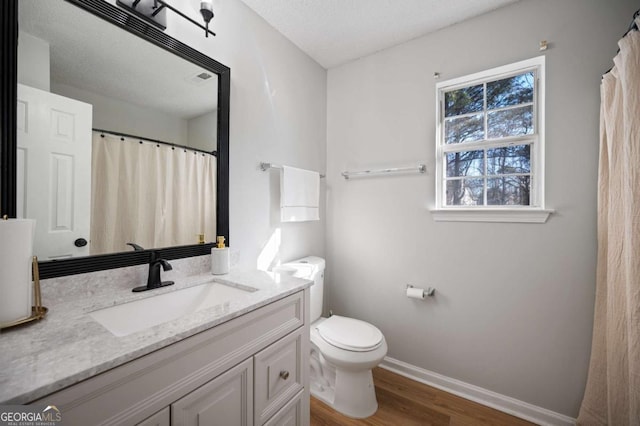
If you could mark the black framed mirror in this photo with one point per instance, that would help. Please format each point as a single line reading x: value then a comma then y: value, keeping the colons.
x: 9, y: 146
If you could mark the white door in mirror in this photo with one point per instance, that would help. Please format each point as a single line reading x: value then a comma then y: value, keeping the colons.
x: 54, y: 171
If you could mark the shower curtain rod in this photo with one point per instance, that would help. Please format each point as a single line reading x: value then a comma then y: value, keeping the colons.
x: 175, y: 145
x: 632, y: 26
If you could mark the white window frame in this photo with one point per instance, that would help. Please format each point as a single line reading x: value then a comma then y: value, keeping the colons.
x: 534, y: 213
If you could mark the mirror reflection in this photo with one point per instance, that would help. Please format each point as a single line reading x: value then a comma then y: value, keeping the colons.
x: 111, y: 150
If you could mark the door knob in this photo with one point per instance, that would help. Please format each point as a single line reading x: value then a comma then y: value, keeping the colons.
x: 80, y: 242
x: 284, y: 374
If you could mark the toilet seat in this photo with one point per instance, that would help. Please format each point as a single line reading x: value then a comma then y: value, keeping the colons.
x: 350, y: 334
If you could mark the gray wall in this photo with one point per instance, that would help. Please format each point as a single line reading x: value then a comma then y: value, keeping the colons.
x: 514, y: 303
x: 278, y: 114
x: 120, y: 116
x: 33, y: 61
x: 202, y: 131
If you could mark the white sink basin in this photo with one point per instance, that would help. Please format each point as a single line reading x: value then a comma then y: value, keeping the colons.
x: 127, y: 318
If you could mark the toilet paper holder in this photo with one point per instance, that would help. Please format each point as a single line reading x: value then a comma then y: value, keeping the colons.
x: 429, y: 291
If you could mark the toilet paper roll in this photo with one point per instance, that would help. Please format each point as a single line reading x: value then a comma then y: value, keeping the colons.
x: 16, y: 249
x: 415, y: 293
x: 220, y: 261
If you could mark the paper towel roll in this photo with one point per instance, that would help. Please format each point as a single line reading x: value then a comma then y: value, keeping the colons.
x: 16, y: 249
x: 415, y: 293
x: 220, y: 261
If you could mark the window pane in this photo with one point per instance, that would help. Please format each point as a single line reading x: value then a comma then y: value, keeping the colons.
x: 465, y: 129
x: 510, y: 91
x: 510, y: 159
x: 510, y: 122
x: 509, y: 191
x: 465, y: 192
x: 464, y: 101
x: 466, y: 163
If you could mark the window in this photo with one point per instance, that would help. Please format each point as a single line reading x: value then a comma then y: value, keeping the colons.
x: 489, y: 150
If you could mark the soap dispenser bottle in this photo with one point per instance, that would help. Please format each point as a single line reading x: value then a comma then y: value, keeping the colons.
x: 220, y: 258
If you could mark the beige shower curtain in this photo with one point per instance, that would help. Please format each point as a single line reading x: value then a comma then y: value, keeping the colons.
x: 612, y: 396
x: 149, y: 194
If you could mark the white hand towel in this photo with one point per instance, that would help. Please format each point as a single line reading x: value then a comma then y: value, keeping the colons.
x: 299, y: 195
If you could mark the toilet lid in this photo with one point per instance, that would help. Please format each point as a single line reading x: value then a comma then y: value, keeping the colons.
x: 350, y: 334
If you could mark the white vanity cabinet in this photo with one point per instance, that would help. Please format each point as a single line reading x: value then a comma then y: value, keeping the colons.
x: 251, y: 370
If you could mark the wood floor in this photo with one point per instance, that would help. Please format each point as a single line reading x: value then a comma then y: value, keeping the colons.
x: 404, y: 402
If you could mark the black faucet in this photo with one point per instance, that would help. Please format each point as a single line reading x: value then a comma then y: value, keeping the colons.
x: 154, y: 280
x: 136, y: 247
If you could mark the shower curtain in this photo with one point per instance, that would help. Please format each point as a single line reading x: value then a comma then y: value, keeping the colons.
x: 612, y: 395
x: 150, y: 194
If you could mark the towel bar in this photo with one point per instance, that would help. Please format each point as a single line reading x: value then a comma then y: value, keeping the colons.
x: 266, y: 166
x: 421, y: 168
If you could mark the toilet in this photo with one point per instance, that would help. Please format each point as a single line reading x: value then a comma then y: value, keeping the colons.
x: 343, y: 350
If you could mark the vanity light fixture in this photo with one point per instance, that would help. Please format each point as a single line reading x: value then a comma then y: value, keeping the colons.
x: 206, y: 9
x: 153, y: 12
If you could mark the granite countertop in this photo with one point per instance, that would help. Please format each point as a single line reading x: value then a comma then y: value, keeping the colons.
x: 68, y: 346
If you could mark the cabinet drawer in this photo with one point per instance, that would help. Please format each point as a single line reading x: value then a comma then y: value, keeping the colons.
x: 289, y: 415
x: 278, y: 375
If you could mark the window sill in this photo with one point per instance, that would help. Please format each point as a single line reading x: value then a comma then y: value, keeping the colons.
x: 491, y: 215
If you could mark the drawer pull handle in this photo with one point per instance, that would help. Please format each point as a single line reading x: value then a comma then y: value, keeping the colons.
x: 284, y: 374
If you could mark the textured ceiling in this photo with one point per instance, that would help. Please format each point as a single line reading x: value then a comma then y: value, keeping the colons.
x: 91, y: 54
x: 337, y: 31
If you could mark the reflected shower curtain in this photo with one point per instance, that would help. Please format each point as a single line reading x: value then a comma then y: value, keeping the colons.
x: 149, y: 194
x: 612, y: 396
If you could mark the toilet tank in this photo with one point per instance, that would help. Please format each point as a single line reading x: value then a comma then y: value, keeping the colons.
x: 311, y: 268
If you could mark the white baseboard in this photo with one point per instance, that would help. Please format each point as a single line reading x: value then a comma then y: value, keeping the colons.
x: 503, y: 403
